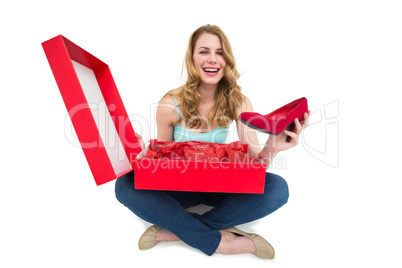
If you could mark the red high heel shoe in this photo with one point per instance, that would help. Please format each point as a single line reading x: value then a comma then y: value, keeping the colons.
x: 276, y: 121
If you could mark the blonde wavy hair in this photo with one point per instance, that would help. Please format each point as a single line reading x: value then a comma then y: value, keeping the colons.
x: 228, y: 96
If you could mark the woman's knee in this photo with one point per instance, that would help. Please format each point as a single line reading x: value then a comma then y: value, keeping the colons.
x: 141, y: 202
x: 124, y: 188
x: 278, y: 187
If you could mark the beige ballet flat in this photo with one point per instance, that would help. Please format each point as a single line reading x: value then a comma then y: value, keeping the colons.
x: 147, y: 239
x: 264, y: 249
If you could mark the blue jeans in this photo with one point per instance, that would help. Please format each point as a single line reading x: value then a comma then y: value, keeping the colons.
x: 166, y: 209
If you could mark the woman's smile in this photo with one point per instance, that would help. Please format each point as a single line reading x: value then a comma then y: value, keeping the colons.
x: 211, y: 71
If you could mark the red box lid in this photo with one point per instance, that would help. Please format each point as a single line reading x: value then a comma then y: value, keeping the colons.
x: 92, y: 99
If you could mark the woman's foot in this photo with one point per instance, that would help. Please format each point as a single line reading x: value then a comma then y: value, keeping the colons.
x: 165, y: 235
x: 240, y: 243
x: 147, y: 240
x: 234, y: 244
x: 153, y: 235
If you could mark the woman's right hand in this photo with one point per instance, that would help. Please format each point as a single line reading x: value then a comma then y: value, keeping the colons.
x: 139, y: 138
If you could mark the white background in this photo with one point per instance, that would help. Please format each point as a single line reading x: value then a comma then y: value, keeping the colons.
x: 345, y: 204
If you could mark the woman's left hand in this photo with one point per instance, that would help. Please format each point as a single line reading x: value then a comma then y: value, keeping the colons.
x: 278, y: 143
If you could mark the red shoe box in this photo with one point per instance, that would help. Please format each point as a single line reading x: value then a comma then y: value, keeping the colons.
x: 199, y: 176
x: 107, y: 137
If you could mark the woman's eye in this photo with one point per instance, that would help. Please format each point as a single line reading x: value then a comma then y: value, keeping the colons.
x: 219, y: 53
x: 203, y: 52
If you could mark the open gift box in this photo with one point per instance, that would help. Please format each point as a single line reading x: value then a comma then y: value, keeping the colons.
x: 200, y: 175
x: 108, y: 139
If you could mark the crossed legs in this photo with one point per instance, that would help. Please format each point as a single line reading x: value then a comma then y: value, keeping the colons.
x: 167, y: 210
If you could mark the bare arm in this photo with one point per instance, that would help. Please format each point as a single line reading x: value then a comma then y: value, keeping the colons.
x: 166, y: 115
x: 247, y: 135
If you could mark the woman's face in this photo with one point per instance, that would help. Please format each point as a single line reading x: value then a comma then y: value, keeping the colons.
x: 208, y: 59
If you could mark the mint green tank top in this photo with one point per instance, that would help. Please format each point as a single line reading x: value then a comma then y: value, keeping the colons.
x: 181, y: 134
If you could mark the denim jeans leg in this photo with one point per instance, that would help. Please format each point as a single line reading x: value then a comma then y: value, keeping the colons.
x: 243, y: 208
x: 161, y: 209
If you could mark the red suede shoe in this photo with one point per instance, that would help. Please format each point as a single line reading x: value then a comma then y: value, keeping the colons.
x: 276, y: 121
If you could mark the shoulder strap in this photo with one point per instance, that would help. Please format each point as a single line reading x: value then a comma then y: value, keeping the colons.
x: 177, y: 107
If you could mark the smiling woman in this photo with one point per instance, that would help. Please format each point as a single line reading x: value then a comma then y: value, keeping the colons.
x: 201, y: 110
x: 211, y: 96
